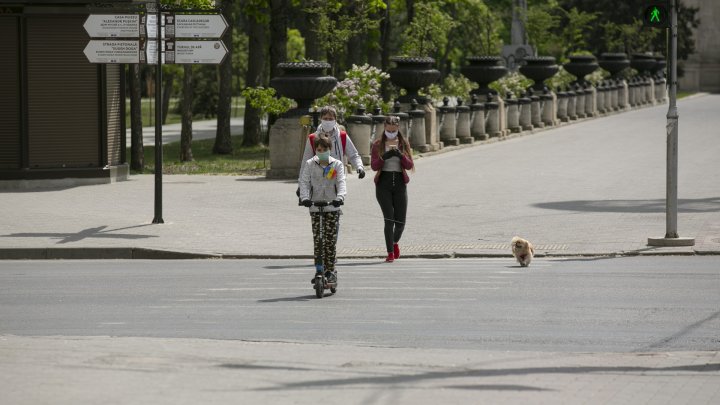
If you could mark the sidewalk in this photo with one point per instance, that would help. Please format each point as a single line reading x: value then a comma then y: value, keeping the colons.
x: 596, y: 187
x: 92, y: 370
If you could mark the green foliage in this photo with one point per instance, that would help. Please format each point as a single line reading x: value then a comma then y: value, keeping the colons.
x: 360, y: 87
x: 264, y: 99
x: 428, y: 32
x: 205, y: 91
x: 337, y: 21
x: 480, y: 28
x: 575, y: 32
x: 189, y: 4
x: 542, y: 24
x: 514, y: 83
x: 560, y: 80
x: 454, y: 85
x: 248, y: 161
x: 295, y: 46
x: 628, y: 38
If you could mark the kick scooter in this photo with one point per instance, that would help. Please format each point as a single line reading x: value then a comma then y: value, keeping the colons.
x: 321, y: 283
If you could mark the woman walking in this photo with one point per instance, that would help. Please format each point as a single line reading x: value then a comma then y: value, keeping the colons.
x: 391, y: 158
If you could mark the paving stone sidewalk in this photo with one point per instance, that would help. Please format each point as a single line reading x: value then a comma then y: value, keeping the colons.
x: 596, y: 187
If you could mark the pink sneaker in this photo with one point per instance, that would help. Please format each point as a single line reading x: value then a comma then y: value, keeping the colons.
x: 390, y: 258
x: 396, y: 251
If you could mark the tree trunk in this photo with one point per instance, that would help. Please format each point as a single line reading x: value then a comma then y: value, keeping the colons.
x: 167, y: 92
x: 385, y: 26
x: 223, y: 140
x: 187, y: 102
x: 257, y: 43
x: 410, y: 5
x: 278, y: 35
x: 137, y: 157
x: 312, y: 45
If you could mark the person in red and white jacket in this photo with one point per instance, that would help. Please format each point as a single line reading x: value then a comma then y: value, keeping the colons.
x: 342, y: 144
x: 391, y: 158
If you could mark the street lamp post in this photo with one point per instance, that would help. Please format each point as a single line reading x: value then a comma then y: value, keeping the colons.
x: 671, y: 233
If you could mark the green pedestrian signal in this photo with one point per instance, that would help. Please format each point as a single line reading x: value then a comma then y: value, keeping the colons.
x: 656, y: 15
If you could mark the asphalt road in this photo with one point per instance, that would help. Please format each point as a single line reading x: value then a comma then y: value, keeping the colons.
x: 629, y: 304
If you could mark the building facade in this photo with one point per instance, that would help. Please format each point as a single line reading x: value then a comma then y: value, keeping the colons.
x: 702, y: 69
x: 62, y: 118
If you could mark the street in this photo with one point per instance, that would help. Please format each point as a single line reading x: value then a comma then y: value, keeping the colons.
x: 565, y: 318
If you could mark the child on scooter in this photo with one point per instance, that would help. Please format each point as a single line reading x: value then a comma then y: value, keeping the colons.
x: 322, y: 180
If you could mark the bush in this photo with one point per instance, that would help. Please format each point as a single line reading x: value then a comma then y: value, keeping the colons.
x: 360, y: 87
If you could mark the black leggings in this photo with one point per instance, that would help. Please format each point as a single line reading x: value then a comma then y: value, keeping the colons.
x: 391, y: 194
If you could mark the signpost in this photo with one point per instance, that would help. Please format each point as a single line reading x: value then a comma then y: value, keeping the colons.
x: 113, y: 25
x: 189, y: 52
x: 113, y: 51
x: 671, y: 205
x: 185, y: 38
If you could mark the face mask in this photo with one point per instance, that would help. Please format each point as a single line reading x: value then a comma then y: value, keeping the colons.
x: 327, y: 126
x: 324, y: 156
x: 391, y: 135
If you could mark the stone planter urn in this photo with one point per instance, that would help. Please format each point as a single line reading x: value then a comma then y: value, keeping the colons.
x: 660, y: 65
x: 581, y: 66
x: 643, y: 63
x: 614, y: 63
x: 484, y: 70
x: 303, y: 82
x: 539, y: 69
x: 412, y: 74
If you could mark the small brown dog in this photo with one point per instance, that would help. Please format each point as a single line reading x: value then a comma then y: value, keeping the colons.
x: 522, y: 250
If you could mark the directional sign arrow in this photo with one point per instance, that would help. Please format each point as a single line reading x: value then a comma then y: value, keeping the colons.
x: 113, y: 25
x: 112, y: 51
x: 200, y: 25
x: 209, y: 52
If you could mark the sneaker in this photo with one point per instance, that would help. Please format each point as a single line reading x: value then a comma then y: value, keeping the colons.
x: 331, y: 276
x: 318, y: 270
x: 396, y: 251
x: 390, y: 258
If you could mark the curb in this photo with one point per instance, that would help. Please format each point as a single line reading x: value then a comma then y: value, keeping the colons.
x: 157, y: 254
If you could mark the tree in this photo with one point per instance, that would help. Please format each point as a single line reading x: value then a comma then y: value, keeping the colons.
x: 187, y: 116
x: 223, y: 139
x: 256, y: 12
x: 618, y: 20
x: 336, y: 22
x: 427, y: 34
x: 137, y: 156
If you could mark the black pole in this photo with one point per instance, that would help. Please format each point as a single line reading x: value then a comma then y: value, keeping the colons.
x: 158, y: 122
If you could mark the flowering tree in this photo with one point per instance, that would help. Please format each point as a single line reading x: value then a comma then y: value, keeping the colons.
x: 361, y: 86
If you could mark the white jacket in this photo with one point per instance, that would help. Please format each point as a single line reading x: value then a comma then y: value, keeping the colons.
x: 316, y: 186
x: 336, y: 151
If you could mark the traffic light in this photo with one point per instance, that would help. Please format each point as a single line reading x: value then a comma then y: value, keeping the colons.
x: 657, y: 14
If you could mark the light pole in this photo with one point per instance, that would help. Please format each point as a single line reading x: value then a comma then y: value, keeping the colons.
x: 671, y: 234
x: 158, y: 219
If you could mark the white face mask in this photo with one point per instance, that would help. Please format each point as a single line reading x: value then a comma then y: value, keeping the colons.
x: 391, y: 135
x: 327, y: 126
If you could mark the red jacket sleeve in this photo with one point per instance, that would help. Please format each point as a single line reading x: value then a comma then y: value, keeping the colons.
x: 376, y: 162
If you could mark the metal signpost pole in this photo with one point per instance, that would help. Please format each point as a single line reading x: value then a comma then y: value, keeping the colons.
x: 158, y: 122
x: 671, y: 232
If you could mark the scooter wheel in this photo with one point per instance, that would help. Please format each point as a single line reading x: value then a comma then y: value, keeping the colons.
x: 333, y: 290
x: 319, y: 288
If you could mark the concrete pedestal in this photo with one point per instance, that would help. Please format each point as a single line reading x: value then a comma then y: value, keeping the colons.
x: 287, y: 143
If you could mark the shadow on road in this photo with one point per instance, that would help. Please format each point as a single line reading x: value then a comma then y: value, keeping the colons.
x: 99, y: 232
x: 390, y: 380
x: 289, y: 299
x: 711, y: 204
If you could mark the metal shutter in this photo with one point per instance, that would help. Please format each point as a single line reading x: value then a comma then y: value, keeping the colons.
x: 63, y: 96
x: 113, y: 113
x: 9, y: 94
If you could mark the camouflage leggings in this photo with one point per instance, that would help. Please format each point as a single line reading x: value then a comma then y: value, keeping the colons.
x: 324, y: 239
